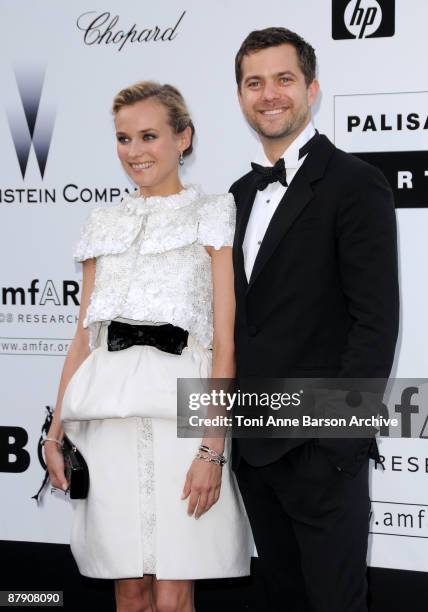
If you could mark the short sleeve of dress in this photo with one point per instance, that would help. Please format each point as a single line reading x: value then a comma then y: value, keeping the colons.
x: 89, y: 236
x: 217, y: 221
x: 106, y: 231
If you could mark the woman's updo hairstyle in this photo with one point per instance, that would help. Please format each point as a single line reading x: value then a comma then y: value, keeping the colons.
x: 168, y: 96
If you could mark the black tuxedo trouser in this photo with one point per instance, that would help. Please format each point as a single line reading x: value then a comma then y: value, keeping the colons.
x: 310, y: 524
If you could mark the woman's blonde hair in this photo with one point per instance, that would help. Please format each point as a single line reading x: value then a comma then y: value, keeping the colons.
x: 168, y: 96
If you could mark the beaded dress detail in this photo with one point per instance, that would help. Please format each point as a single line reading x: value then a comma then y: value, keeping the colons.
x: 146, y: 477
x: 141, y: 244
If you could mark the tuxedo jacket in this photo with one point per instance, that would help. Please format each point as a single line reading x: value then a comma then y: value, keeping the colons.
x: 322, y: 299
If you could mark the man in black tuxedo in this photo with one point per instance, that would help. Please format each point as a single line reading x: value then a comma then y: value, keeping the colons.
x: 316, y: 284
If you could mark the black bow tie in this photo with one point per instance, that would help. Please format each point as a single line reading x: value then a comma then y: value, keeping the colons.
x: 271, y: 174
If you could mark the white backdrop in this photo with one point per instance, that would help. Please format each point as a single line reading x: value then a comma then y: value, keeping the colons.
x: 41, y: 216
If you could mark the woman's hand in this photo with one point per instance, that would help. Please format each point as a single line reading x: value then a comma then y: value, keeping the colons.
x: 55, y: 464
x: 203, y: 483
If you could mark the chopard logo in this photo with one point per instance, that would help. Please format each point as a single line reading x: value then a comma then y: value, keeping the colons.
x: 103, y: 28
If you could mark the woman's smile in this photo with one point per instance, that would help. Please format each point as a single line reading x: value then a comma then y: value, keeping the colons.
x: 141, y: 166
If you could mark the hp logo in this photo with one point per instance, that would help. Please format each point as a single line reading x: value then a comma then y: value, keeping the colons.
x: 363, y: 19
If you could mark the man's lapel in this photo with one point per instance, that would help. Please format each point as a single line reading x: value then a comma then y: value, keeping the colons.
x: 297, y: 196
x: 241, y: 225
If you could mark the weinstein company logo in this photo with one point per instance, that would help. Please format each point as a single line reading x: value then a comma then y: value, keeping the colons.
x: 38, y: 125
x: 31, y: 118
x: 103, y: 28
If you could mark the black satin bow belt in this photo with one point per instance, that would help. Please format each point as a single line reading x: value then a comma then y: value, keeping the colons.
x: 167, y: 337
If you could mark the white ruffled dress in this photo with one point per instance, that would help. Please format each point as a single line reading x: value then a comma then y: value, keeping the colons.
x: 119, y: 407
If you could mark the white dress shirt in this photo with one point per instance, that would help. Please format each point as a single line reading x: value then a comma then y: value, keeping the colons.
x: 266, y: 201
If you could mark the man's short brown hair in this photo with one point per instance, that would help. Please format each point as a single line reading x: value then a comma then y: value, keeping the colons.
x: 273, y: 37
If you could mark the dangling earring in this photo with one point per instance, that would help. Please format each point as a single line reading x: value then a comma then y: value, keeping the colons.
x: 181, y: 160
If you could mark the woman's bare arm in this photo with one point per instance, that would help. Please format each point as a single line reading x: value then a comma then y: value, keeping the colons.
x: 203, y: 480
x: 223, y: 364
x: 77, y: 353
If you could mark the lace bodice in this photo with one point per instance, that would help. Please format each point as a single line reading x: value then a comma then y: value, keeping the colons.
x: 151, y: 261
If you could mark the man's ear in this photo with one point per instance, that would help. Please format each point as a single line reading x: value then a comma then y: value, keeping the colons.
x: 238, y: 92
x: 313, y: 90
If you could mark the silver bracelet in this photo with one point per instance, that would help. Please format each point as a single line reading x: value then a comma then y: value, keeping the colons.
x: 210, y: 451
x: 219, y: 460
x: 48, y: 439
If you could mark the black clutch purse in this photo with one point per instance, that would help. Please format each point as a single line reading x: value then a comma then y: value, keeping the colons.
x: 76, y: 470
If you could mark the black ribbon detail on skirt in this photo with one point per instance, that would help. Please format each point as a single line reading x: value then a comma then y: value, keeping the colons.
x: 167, y: 337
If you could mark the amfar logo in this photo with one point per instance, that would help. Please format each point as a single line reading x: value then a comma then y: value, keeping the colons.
x: 388, y: 131
x: 30, y: 123
x: 62, y: 294
x: 363, y: 19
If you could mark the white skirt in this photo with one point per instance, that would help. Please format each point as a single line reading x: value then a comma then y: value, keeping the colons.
x: 120, y: 410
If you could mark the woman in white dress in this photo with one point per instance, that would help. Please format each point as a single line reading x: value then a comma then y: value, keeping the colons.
x: 156, y: 267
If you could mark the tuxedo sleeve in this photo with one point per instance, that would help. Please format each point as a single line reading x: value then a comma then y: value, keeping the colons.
x: 366, y: 239
x: 233, y: 189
